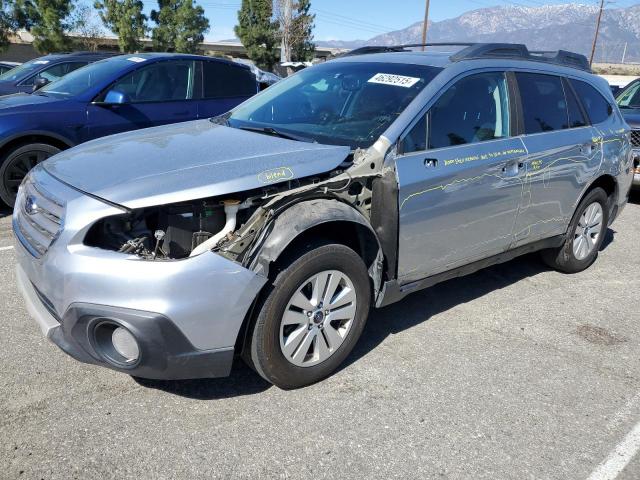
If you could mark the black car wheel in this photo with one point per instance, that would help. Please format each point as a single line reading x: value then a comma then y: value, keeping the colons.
x: 17, y: 164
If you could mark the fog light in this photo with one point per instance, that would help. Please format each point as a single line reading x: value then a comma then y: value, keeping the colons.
x: 125, y: 344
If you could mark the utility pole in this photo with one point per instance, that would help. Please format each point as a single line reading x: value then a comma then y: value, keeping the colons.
x: 424, y: 26
x: 624, y: 52
x: 595, y: 38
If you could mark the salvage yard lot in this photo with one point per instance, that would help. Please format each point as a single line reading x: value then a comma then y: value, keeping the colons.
x: 514, y: 372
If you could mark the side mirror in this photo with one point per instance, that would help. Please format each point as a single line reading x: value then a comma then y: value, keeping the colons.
x: 114, y: 97
x: 39, y: 83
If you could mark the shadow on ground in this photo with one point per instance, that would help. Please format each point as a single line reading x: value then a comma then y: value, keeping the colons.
x: 416, y: 308
x: 4, y: 210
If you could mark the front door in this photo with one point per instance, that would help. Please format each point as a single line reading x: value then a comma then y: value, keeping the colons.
x: 459, y: 179
x: 156, y: 94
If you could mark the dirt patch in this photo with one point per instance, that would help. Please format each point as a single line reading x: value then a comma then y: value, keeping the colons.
x: 599, y: 335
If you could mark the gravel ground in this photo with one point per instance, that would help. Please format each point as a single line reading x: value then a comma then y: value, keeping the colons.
x: 515, y: 372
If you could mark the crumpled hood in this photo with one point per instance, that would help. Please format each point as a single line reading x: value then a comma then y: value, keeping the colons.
x: 186, y: 161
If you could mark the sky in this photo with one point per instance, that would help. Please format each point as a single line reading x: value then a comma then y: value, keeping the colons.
x: 362, y: 19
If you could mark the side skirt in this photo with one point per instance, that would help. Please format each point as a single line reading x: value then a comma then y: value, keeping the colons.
x: 392, y: 291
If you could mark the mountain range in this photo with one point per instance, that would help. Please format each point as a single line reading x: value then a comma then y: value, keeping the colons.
x: 548, y: 27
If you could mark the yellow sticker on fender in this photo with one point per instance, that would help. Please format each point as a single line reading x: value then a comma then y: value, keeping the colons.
x: 276, y: 175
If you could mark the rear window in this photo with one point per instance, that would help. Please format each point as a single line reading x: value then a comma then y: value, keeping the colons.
x: 224, y: 80
x: 543, y: 102
x: 594, y: 103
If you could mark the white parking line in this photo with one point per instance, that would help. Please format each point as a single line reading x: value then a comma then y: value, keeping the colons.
x: 619, y: 457
x: 6, y: 248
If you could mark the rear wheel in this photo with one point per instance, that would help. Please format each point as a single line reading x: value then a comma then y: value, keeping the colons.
x: 585, y: 236
x: 17, y: 164
x: 311, y: 318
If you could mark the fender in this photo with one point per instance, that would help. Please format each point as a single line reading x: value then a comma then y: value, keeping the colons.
x: 40, y: 133
x: 301, y: 217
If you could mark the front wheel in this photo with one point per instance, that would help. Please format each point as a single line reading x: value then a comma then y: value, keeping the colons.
x: 585, y: 235
x: 311, y: 318
x: 17, y: 164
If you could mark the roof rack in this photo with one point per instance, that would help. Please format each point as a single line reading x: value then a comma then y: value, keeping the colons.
x: 520, y: 52
x: 400, y: 48
x: 489, y: 50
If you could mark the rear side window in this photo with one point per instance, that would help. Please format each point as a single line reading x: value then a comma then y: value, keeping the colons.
x: 594, y: 103
x: 224, y: 80
x: 576, y: 117
x: 543, y: 103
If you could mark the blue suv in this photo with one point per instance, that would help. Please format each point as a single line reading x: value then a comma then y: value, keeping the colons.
x: 38, y: 72
x: 118, y: 94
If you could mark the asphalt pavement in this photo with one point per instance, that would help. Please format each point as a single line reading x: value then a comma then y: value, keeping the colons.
x: 515, y: 372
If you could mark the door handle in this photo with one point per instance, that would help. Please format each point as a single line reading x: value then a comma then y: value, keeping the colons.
x: 587, y: 148
x: 512, y: 169
x: 430, y: 162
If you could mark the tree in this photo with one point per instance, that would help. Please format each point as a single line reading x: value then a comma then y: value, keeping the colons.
x: 302, y: 46
x: 86, y: 26
x: 258, y: 32
x: 47, y: 21
x: 7, y: 23
x: 180, y: 26
x: 296, y: 30
x: 125, y: 19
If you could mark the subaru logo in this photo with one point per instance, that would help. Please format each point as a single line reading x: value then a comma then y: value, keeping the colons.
x: 31, y: 205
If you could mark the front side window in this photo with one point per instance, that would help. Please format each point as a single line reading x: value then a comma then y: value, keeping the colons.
x: 159, y: 82
x: 338, y: 103
x: 475, y: 109
x: 55, y: 72
x: 222, y: 80
x: 543, y: 102
x: 594, y: 103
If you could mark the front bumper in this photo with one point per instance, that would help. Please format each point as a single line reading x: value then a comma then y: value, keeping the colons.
x: 185, y: 314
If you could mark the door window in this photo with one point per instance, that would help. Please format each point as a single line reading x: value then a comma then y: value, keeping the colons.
x: 576, y: 117
x: 475, y: 109
x: 543, y: 103
x: 55, y: 72
x: 159, y: 82
x: 223, y: 80
x: 594, y: 103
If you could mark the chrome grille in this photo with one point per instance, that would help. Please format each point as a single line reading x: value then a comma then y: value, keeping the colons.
x: 635, y: 138
x: 37, y: 217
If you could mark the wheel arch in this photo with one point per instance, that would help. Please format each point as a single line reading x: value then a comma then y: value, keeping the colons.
x: 610, y: 186
x: 306, y: 221
x: 25, y: 138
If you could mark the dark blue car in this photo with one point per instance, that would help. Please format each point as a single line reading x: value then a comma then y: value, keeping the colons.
x: 38, y: 72
x: 118, y: 94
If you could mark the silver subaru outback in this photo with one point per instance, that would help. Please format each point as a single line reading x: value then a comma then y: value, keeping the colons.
x: 269, y: 232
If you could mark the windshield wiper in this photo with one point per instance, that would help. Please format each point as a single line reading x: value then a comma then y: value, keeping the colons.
x: 276, y: 133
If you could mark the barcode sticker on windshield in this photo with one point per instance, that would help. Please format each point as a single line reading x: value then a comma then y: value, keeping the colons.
x: 397, y: 80
x: 136, y: 59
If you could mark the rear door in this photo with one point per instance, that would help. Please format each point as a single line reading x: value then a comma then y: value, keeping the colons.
x: 563, y: 154
x: 224, y: 85
x: 459, y: 179
x: 157, y: 94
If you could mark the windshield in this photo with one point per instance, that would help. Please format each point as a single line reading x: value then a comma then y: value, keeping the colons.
x: 630, y: 96
x: 23, y: 70
x: 84, y: 78
x: 339, y: 103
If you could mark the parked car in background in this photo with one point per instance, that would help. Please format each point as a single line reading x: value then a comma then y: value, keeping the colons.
x: 6, y: 66
x: 118, y: 94
x: 38, y: 72
x: 629, y: 103
x: 269, y: 231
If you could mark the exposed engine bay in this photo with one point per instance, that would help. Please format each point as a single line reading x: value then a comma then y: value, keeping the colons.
x: 230, y: 225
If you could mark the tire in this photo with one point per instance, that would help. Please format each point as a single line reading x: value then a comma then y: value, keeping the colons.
x: 16, y: 165
x: 582, y: 244
x: 337, y: 266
